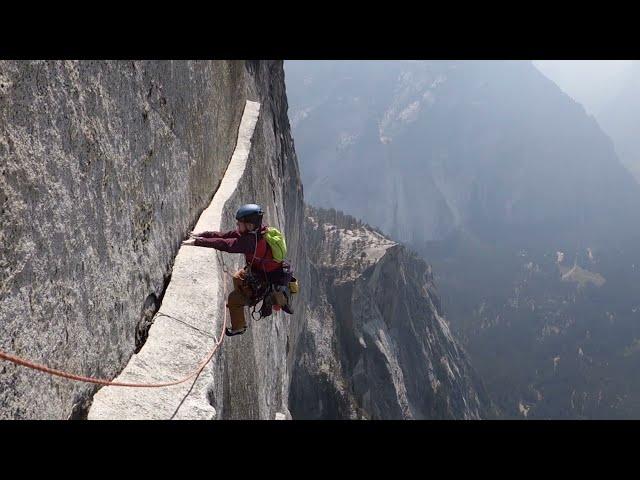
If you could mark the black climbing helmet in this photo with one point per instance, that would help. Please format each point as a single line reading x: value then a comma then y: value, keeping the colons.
x: 251, y: 213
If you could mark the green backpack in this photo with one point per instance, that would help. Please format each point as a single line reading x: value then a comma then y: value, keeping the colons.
x: 276, y: 241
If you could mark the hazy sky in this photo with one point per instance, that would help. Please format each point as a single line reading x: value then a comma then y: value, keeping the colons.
x: 589, y: 82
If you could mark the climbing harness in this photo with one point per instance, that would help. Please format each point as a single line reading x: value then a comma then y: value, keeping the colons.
x: 266, y: 308
x: 263, y: 291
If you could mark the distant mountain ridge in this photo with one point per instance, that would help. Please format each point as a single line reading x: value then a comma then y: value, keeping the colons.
x: 422, y: 148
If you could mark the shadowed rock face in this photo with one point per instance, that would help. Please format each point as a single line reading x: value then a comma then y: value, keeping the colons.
x: 375, y: 343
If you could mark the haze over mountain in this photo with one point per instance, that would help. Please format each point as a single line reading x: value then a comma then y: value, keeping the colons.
x: 491, y: 147
x: 593, y: 83
x: 620, y: 118
x: 515, y: 195
x: 610, y: 90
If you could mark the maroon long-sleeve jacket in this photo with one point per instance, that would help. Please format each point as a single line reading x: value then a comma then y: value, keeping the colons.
x: 235, y: 242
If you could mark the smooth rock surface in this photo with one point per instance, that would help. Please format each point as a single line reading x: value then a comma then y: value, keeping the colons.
x: 104, y: 167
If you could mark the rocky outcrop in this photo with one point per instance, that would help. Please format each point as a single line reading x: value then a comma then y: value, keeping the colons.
x: 375, y: 343
x: 105, y: 167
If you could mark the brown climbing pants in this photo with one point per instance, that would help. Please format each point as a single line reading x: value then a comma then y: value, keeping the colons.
x: 238, y: 299
x: 242, y: 296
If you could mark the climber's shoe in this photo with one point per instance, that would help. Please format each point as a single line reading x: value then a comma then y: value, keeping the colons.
x: 230, y: 333
x: 287, y: 308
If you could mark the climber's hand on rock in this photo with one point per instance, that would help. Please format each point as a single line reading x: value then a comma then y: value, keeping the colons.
x: 190, y: 241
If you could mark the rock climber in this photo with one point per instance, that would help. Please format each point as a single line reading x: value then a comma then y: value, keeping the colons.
x: 262, y: 277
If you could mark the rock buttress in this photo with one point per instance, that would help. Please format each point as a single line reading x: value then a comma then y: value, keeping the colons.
x: 375, y: 344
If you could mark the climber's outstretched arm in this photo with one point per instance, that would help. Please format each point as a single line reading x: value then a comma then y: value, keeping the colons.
x: 229, y: 234
x: 237, y: 244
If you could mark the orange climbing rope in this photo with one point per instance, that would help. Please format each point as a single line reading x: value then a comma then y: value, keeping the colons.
x: 100, y: 381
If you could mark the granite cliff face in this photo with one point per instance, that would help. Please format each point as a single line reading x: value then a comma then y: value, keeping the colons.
x: 104, y: 168
x: 375, y: 344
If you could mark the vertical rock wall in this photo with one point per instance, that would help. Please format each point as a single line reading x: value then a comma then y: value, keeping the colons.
x: 104, y: 168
